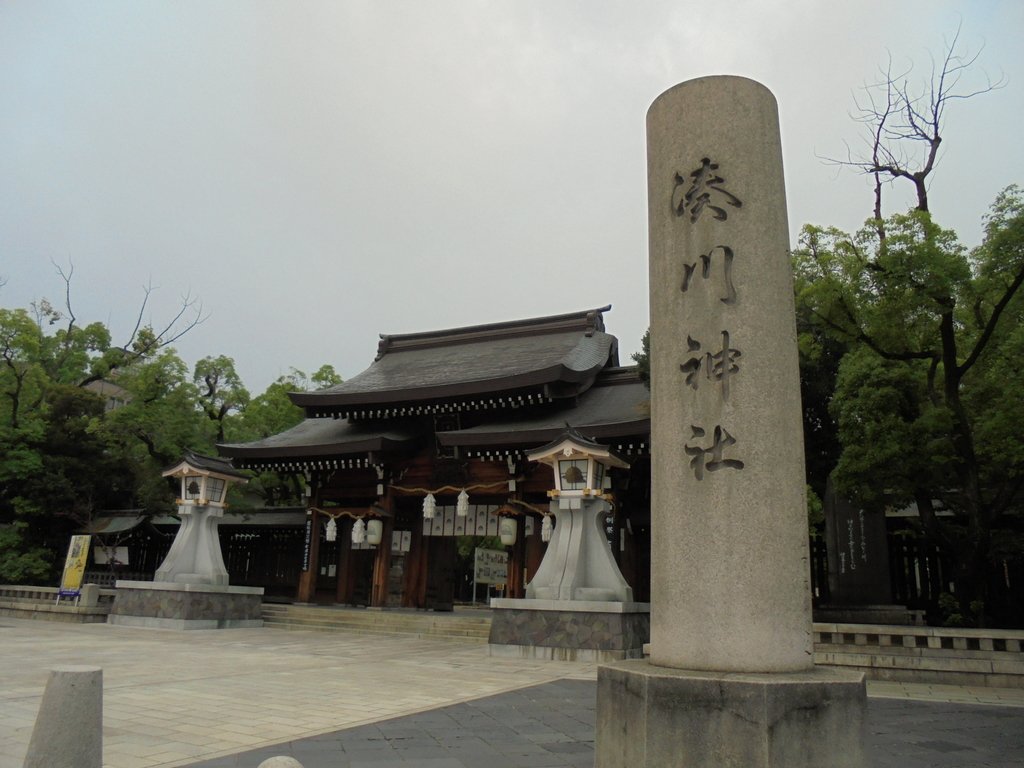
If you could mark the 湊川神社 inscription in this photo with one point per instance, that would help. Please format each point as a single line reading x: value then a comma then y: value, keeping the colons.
x: 729, y: 581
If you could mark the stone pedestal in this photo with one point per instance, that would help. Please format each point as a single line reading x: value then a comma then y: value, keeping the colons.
x: 569, y: 630
x: 657, y: 716
x: 166, y: 605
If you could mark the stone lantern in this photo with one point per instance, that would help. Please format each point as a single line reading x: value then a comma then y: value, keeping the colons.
x: 190, y: 589
x: 578, y: 606
x: 578, y: 564
x: 195, y: 556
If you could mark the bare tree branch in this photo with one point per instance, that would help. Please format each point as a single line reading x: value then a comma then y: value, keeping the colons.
x: 66, y: 277
x: 904, y: 122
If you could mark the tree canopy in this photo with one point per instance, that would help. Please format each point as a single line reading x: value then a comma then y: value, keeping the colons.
x: 87, y: 426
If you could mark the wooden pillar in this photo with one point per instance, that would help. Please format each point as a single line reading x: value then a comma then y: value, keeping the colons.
x: 414, y: 594
x: 346, y: 562
x: 516, y: 586
x: 306, y: 592
x: 382, y: 560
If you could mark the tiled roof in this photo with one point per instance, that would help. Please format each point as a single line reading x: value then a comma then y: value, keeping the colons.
x: 618, y: 405
x: 323, y: 437
x: 560, y: 354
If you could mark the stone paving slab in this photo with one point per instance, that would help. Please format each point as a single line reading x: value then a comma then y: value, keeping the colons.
x: 552, y: 724
x: 174, y: 698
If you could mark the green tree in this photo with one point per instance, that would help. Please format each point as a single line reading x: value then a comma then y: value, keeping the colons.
x: 221, y: 392
x: 643, y: 358
x: 932, y: 331
x: 161, y: 419
x: 925, y: 326
x: 59, y: 461
x: 271, y: 413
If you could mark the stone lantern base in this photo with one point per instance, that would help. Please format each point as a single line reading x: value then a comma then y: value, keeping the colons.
x: 168, y: 605
x: 569, y: 630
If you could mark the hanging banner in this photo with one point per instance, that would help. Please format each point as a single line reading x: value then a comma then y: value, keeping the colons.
x: 74, y: 567
x: 308, y: 540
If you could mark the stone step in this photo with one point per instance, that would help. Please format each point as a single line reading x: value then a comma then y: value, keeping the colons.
x: 358, y: 630
x: 374, y: 616
x: 473, y: 628
x: 441, y: 625
x: 370, y: 630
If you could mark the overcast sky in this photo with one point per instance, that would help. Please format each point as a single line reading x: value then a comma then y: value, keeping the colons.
x: 319, y: 173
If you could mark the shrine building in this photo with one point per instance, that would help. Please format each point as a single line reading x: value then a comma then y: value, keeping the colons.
x: 427, y: 446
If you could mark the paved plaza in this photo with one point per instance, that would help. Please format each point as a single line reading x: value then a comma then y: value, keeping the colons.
x: 213, y: 699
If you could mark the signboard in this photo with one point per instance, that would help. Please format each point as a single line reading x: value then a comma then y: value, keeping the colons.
x: 490, y: 566
x: 74, y: 567
x: 110, y: 555
x: 401, y: 542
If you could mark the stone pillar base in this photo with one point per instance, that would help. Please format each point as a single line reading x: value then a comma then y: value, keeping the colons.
x: 166, y: 605
x: 649, y: 717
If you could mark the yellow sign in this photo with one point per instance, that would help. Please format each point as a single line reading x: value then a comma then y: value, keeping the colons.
x: 74, y: 565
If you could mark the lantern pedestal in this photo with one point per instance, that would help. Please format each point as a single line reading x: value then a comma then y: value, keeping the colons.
x: 195, y: 556
x: 164, y: 605
x: 578, y: 564
x: 569, y: 630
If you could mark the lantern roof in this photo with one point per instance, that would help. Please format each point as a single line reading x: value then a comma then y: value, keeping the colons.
x: 196, y: 464
x: 572, y: 443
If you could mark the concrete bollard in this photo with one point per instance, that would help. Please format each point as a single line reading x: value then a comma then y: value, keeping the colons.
x: 69, y: 727
x: 280, y: 762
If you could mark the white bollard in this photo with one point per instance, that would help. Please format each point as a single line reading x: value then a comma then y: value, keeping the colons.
x: 280, y: 762
x: 69, y: 727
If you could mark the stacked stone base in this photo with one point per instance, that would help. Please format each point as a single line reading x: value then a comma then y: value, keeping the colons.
x: 569, y: 630
x: 166, y: 605
x: 650, y: 717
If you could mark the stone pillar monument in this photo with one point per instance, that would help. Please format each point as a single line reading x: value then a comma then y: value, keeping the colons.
x: 731, y: 678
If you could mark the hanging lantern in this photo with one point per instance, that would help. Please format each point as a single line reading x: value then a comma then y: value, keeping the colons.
x: 359, y: 532
x: 546, y: 529
x: 507, y: 530
x: 374, y: 531
x: 462, y: 506
x: 332, y: 530
x: 429, y: 507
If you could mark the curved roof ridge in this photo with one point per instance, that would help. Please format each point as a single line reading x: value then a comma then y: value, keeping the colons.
x: 589, y: 321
